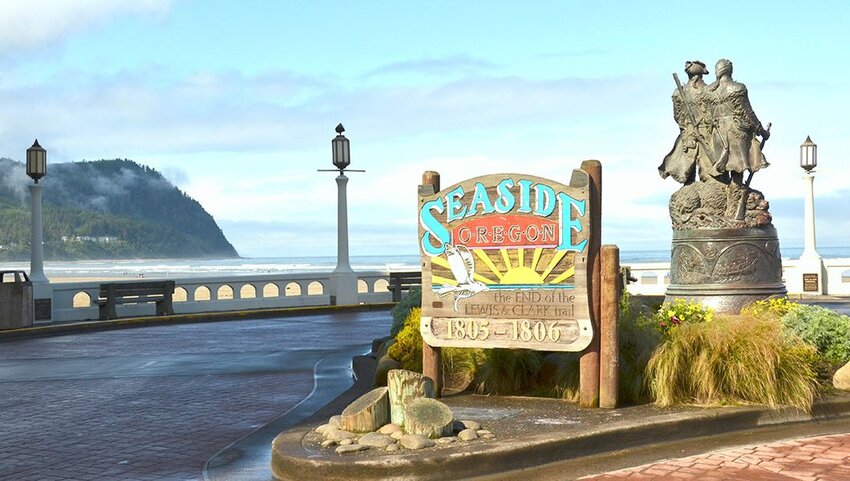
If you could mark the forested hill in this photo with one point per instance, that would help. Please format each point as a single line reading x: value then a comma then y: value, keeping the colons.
x: 106, y: 209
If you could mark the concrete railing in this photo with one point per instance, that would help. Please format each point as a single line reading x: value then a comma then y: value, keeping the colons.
x: 77, y: 301
x: 653, y: 277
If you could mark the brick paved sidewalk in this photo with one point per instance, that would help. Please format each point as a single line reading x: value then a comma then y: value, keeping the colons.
x: 821, y: 458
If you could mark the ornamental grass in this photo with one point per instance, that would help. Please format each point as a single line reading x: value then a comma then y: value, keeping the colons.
x: 733, y: 360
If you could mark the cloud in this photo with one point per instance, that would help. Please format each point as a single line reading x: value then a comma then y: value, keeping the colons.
x: 37, y: 23
x: 455, y: 65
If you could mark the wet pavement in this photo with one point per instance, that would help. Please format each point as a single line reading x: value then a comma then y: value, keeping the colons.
x: 155, y: 403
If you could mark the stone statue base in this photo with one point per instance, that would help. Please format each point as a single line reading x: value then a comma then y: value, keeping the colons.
x: 725, y: 269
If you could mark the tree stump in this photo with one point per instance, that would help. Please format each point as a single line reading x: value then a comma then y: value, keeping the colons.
x: 428, y: 417
x: 367, y: 413
x: 405, y: 386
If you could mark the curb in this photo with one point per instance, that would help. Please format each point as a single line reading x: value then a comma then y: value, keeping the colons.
x: 292, y: 461
x: 130, y: 322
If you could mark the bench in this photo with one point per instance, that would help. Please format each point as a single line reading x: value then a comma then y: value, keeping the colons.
x: 402, y: 282
x: 143, y: 292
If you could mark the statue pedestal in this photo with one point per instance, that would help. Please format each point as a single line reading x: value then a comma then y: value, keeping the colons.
x: 725, y: 269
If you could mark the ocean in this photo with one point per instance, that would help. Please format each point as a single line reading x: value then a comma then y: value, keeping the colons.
x: 181, y: 268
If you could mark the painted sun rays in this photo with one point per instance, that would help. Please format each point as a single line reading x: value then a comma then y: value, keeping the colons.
x: 515, y: 267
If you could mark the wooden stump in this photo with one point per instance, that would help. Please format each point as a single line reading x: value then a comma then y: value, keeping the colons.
x: 428, y: 417
x: 405, y: 386
x: 367, y: 413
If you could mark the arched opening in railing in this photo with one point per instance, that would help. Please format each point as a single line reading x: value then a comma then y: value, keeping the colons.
x: 82, y: 299
x: 202, y: 293
x: 225, y: 293
x: 362, y: 286
x: 315, y: 288
x: 179, y: 295
x: 271, y: 290
x: 845, y: 277
x: 248, y: 291
x: 666, y: 278
x: 649, y: 278
x: 293, y: 289
x: 382, y: 285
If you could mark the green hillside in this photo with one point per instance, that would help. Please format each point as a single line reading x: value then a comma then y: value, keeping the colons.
x: 106, y: 209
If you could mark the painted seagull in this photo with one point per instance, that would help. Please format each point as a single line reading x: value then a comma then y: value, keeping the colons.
x: 462, y: 266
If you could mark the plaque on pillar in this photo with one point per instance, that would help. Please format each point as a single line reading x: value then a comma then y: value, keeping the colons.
x: 810, y: 283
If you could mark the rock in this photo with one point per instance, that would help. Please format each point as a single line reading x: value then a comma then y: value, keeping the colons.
x: 389, y: 428
x: 467, y: 435
x: 405, y: 386
x: 346, y: 442
x: 351, y: 448
x: 445, y: 440
x: 324, y: 428
x: 328, y: 443
x: 841, y: 379
x: 338, y: 435
x: 489, y: 436
x: 376, y: 440
x: 393, y: 447
x: 482, y: 432
x: 428, y: 417
x: 397, y: 435
x: 336, y: 421
x: 385, y: 365
x: 415, y: 441
x: 467, y: 424
x: 367, y: 413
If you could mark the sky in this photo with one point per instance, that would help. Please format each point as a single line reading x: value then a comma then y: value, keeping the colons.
x: 236, y: 103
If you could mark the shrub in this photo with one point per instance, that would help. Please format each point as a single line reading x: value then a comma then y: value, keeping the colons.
x: 740, y: 359
x: 638, y: 339
x: 407, y: 348
x: 673, y: 314
x: 825, y: 329
x: 401, y: 310
x: 508, y: 371
x: 774, y: 307
x: 459, y: 365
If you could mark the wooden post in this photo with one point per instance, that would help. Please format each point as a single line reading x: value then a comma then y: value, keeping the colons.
x: 589, y: 362
x: 609, y: 336
x: 432, y: 357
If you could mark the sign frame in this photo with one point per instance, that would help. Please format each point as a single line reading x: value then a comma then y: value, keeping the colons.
x: 469, y: 297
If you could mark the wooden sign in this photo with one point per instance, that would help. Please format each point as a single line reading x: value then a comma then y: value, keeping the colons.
x: 504, y: 263
x: 810, y: 283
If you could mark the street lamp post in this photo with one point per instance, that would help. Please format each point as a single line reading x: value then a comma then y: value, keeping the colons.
x: 42, y: 295
x: 811, y: 264
x: 343, y: 279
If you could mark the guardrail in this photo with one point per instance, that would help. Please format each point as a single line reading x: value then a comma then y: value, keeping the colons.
x: 76, y: 301
x: 653, y: 277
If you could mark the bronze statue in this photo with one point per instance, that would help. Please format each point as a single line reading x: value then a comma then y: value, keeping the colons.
x: 717, y: 144
x: 725, y: 251
x: 692, y: 148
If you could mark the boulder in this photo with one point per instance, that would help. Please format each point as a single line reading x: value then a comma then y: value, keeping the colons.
x: 338, y: 435
x: 367, y: 413
x: 385, y: 365
x: 841, y: 379
x: 389, y: 428
x: 467, y: 435
x: 415, y: 441
x: 375, y: 440
x: 351, y: 448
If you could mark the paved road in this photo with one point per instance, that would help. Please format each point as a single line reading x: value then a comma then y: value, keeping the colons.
x: 819, y: 458
x: 155, y: 403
